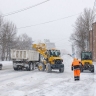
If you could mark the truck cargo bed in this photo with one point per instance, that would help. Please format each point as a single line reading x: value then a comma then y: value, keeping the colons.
x: 29, y: 55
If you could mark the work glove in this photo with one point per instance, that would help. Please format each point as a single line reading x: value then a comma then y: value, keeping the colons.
x: 72, y: 68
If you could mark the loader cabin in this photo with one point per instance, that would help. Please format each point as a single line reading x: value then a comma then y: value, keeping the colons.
x: 86, y: 56
x: 54, y: 53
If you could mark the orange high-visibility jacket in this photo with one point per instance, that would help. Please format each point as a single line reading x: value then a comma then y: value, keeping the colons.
x: 76, y: 64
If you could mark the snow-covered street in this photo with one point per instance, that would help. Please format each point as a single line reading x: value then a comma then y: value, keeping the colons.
x: 36, y: 83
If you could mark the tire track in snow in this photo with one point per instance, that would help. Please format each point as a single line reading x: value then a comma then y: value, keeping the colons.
x: 15, y: 75
x: 54, y: 74
x: 22, y: 87
x: 68, y: 88
x: 49, y: 88
x: 38, y: 83
x: 28, y: 87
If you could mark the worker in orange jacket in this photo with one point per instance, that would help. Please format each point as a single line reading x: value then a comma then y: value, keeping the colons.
x: 76, y: 67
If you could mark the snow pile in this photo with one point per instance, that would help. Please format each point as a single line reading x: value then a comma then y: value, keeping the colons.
x: 6, y: 63
x: 67, y: 61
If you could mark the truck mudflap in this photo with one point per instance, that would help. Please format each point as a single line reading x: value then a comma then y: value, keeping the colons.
x: 57, y: 66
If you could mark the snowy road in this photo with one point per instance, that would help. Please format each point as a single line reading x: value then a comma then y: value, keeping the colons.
x: 36, y: 83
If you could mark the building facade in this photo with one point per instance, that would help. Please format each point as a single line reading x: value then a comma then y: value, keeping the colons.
x: 92, y: 41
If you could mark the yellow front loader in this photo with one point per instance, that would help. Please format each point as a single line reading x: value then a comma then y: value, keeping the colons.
x: 49, y: 58
x: 86, y: 60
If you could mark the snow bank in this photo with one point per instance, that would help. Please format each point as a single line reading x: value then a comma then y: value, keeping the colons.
x: 6, y: 63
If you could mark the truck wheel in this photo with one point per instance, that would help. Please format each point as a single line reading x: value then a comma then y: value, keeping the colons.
x: 27, y: 69
x: 61, y: 70
x: 41, y: 67
x: 31, y: 67
x: 0, y: 67
x: 19, y: 67
x: 15, y: 69
x: 48, y: 68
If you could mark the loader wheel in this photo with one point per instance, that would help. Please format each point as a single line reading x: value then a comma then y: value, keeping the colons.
x: 48, y: 68
x: 81, y: 69
x: 41, y: 67
x: 31, y: 67
x: 61, y: 70
x: 92, y: 69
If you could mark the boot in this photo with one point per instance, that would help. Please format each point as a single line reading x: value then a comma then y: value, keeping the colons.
x: 75, y: 78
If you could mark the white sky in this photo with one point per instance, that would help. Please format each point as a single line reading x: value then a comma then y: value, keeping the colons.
x: 53, y: 9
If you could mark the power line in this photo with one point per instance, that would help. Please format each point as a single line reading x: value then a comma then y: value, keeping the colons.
x: 11, y: 13
x: 48, y: 21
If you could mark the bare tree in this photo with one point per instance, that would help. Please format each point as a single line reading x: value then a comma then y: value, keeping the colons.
x: 24, y: 42
x: 8, y: 39
x: 10, y: 30
x: 7, y: 34
x: 1, y: 35
x: 82, y: 27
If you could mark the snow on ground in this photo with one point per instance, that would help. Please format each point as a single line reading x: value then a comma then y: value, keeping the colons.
x: 36, y: 83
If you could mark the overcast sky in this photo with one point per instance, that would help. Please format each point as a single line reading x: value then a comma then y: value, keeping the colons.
x: 59, y: 31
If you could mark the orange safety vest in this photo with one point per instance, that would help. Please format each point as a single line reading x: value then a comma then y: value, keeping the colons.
x: 76, y: 64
